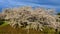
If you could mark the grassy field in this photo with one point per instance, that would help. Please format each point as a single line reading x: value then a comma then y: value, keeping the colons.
x: 7, y: 29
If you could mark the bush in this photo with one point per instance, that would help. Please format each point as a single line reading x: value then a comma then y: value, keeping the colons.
x: 58, y: 13
x: 48, y: 30
x: 1, y: 22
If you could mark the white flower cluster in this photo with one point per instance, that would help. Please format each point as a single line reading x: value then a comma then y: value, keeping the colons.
x: 28, y: 17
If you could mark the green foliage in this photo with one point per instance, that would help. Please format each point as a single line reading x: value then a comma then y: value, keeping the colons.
x: 58, y: 13
x: 59, y: 32
x: 48, y: 30
x: 1, y: 22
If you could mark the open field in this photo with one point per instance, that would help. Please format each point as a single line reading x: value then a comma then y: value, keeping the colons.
x: 9, y: 30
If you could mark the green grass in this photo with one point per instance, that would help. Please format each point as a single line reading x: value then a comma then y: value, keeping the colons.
x: 4, y: 24
x: 48, y: 30
x: 8, y: 29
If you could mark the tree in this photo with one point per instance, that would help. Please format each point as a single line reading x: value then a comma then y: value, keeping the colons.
x: 26, y: 16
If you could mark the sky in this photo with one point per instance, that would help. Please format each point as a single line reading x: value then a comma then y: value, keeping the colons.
x: 55, y: 4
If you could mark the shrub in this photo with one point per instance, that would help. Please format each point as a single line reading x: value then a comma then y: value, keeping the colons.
x: 36, y: 18
x: 1, y: 22
x: 48, y: 30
